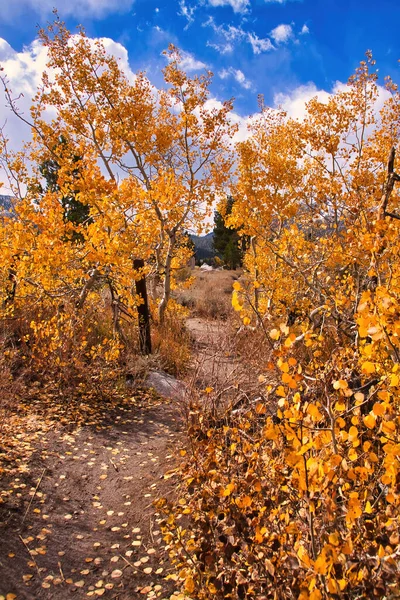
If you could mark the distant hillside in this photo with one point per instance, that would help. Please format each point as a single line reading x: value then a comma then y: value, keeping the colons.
x: 6, y: 205
x: 5, y: 202
x: 204, y: 246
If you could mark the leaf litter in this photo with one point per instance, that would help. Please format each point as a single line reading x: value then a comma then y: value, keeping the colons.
x: 76, y: 511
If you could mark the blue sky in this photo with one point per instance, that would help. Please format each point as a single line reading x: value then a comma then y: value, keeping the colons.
x: 271, y: 47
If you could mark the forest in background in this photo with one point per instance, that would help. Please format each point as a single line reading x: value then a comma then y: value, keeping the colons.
x: 295, y: 493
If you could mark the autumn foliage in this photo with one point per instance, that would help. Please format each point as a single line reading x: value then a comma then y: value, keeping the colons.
x: 297, y: 494
x: 115, y: 174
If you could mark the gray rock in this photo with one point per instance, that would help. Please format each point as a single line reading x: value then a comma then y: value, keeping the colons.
x: 165, y: 385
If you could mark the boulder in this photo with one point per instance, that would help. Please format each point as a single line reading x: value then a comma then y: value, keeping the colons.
x: 165, y: 385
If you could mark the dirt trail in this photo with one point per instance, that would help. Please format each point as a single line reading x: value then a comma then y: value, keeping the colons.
x: 79, y: 522
x: 215, y: 362
x: 90, y: 527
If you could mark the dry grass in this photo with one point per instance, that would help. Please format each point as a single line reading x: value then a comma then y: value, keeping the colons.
x: 210, y: 295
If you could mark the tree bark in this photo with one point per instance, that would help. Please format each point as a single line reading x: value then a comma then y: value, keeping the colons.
x: 143, y: 310
x: 94, y: 276
x: 256, y: 272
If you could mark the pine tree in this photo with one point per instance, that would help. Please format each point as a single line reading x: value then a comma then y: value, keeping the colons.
x: 227, y: 241
x: 74, y: 210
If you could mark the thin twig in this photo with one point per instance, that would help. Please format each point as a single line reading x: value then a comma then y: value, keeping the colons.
x: 114, y: 465
x: 151, y: 530
x: 34, y: 494
x: 127, y: 562
x: 61, y: 571
x: 30, y: 554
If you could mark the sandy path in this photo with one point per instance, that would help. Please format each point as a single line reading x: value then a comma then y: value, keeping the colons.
x: 215, y: 361
x: 91, y: 529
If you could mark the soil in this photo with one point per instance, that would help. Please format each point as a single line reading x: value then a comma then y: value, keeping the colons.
x: 80, y: 521
x: 77, y: 514
x: 217, y: 365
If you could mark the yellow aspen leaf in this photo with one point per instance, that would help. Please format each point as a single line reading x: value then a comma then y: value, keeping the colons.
x: 258, y: 536
x: 190, y: 585
x: 370, y: 421
x: 347, y: 547
x: 303, y: 556
x: 246, y: 321
x: 334, y: 539
x: 394, y: 380
x: 333, y: 586
x: 340, y: 384
x: 280, y: 391
x: 368, y: 508
x: 274, y: 334
x: 388, y: 427
x: 257, y: 486
x: 229, y: 489
x: 368, y: 367
x: 244, y: 502
x: 352, y: 454
x: 271, y: 433
x: 236, y: 286
x: 313, y: 410
x: 290, y: 340
x: 353, y: 433
x: 237, y: 304
x: 379, y: 409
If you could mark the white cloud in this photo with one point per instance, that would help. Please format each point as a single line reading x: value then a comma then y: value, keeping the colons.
x: 282, y: 33
x: 221, y: 48
x: 238, y: 75
x: 23, y: 72
x: 187, y: 12
x: 77, y: 8
x: 304, y: 30
x: 229, y: 32
x: 238, y: 6
x: 259, y: 45
x: 190, y: 63
x: 229, y: 35
x: 294, y: 102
